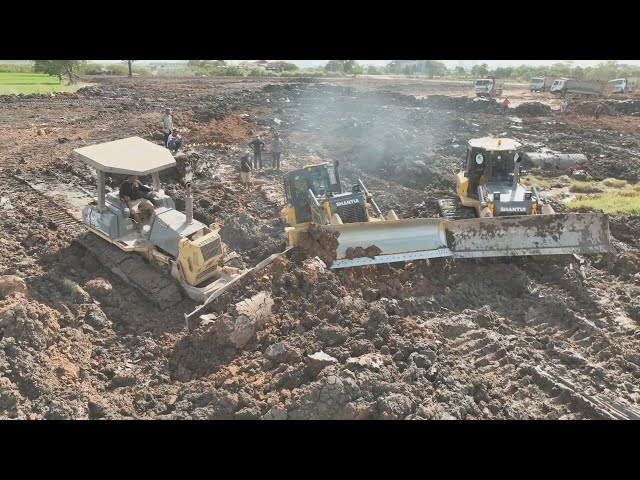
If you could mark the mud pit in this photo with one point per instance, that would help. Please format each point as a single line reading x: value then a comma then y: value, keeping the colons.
x: 544, y: 337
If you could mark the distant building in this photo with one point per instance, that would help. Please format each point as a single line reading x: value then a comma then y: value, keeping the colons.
x: 415, y: 66
x: 276, y: 66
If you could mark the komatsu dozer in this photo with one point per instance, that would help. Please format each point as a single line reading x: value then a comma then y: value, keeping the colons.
x: 493, y: 215
x: 185, y: 249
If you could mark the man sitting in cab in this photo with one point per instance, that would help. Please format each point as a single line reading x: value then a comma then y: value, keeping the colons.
x: 133, y: 193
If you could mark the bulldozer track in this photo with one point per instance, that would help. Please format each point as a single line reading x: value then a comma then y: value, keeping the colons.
x: 156, y: 285
x: 133, y: 269
x: 452, y: 209
x: 52, y: 210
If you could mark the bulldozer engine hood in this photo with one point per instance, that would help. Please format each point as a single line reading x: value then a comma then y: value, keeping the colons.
x: 351, y: 207
x: 507, y: 201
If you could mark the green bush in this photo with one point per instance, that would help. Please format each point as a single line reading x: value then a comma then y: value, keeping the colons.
x: 584, y: 187
x: 614, y: 182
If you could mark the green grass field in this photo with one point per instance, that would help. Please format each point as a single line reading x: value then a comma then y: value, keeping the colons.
x: 20, y: 82
x: 622, y: 201
x: 610, y: 195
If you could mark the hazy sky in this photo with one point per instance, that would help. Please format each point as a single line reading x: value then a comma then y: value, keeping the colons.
x: 449, y: 63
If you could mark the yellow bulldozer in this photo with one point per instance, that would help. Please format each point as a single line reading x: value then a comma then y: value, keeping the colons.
x: 170, y: 252
x: 492, y: 215
x: 495, y: 214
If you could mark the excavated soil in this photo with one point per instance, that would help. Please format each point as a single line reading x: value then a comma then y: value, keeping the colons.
x: 523, y: 338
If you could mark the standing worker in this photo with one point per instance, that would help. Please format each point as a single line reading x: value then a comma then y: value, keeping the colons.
x: 245, y: 171
x: 598, y: 111
x: 505, y: 104
x: 563, y: 105
x: 257, y: 145
x: 277, y: 146
x: 167, y: 124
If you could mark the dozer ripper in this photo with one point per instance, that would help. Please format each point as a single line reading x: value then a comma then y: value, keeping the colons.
x: 493, y: 215
x: 185, y: 249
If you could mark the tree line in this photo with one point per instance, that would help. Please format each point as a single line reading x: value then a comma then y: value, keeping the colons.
x: 523, y: 73
x: 71, y: 69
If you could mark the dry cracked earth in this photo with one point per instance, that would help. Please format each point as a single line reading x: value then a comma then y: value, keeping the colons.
x: 525, y: 338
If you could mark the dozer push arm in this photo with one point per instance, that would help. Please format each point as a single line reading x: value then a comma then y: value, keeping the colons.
x: 316, y: 204
x: 370, y: 199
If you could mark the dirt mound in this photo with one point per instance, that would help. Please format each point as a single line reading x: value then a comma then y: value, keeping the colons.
x: 486, y: 105
x: 626, y: 228
x: 241, y: 233
x: 359, y: 252
x: 532, y: 109
x: 320, y: 242
x: 611, y: 107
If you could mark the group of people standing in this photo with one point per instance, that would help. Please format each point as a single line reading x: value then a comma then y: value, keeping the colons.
x: 173, y: 141
x: 258, y: 146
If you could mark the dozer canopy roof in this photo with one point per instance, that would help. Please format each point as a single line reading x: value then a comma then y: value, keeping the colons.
x: 491, y: 144
x: 129, y: 156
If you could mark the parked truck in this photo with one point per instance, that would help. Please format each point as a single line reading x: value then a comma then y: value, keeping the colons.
x: 541, y: 84
x: 577, y: 88
x: 623, y: 85
x: 488, y: 87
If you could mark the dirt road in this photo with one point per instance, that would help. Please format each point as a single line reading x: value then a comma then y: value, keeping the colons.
x: 511, y: 338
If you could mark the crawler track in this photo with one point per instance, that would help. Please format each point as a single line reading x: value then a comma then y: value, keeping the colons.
x: 452, y: 209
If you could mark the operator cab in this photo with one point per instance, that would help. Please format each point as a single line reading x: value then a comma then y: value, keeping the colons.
x: 492, y: 162
x: 322, y: 179
x: 109, y: 216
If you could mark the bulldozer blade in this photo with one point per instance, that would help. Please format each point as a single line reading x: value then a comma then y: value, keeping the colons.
x: 267, y: 261
x: 574, y: 233
x: 396, y: 241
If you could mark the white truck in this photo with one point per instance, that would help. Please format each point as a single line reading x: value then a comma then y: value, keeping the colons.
x: 541, y: 84
x: 578, y: 88
x: 623, y: 85
x: 488, y: 87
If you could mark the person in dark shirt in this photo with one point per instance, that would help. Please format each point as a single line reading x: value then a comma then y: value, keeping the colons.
x: 598, y: 111
x: 277, y: 146
x: 245, y: 171
x: 133, y: 193
x: 257, y: 145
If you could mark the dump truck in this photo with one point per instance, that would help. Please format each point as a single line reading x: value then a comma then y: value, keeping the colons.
x: 488, y: 87
x: 491, y: 215
x: 169, y: 252
x: 623, y: 85
x: 541, y: 84
x: 579, y: 88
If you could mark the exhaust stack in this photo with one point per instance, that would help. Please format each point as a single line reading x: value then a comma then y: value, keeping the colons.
x: 189, y: 204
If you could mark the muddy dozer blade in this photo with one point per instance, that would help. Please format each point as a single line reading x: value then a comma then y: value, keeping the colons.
x: 396, y: 241
x: 267, y: 261
x: 580, y: 233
